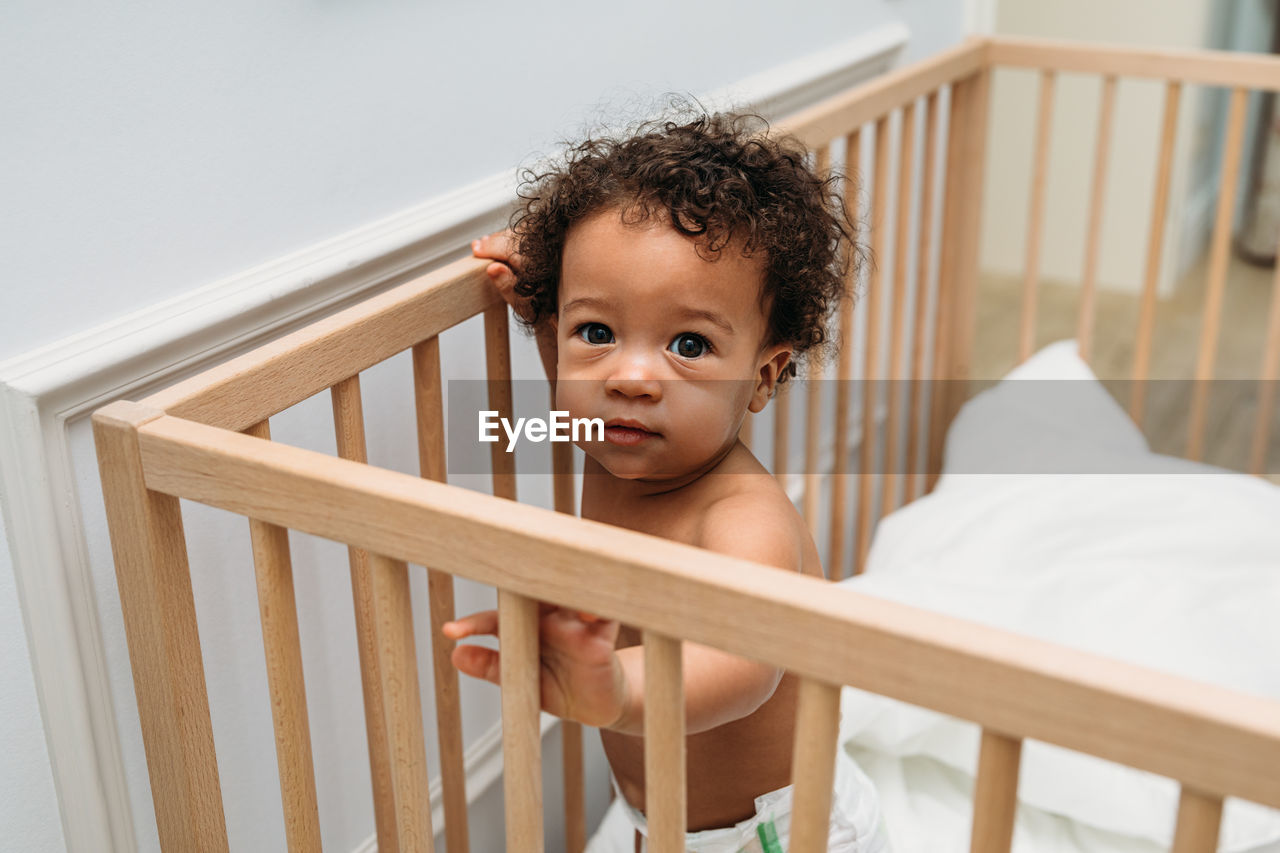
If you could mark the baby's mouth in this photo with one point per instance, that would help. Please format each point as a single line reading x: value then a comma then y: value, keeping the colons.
x: 627, y: 433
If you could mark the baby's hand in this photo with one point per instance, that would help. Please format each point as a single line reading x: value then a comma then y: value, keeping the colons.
x: 581, y: 676
x: 501, y: 248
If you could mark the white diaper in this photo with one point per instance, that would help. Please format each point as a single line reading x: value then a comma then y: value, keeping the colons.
x: 856, y: 823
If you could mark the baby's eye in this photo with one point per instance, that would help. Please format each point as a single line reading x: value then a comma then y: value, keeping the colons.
x: 595, y: 333
x: 690, y: 345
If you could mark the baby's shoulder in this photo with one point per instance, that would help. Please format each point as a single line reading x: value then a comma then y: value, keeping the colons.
x: 756, y: 522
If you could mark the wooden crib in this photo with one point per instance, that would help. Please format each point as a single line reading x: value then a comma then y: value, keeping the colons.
x: 207, y: 440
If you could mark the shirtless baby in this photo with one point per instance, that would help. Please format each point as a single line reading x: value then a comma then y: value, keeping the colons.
x: 672, y: 277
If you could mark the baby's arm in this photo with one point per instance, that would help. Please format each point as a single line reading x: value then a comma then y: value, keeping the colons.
x: 719, y: 687
x: 583, y: 678
x: 500, y: 247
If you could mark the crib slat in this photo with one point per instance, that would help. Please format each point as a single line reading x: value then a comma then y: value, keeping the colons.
x: 781, y: 431
x: 889, y: 491
x: 813, y: 414
x: 1267, y: 383
x: 575, y: 808
x: 348, y: 422
x: 278, y: 612
x: 812, y: 442
x: 995, y: 793
x: 664, y: 747
x: 429, y: 409
x: 1218, y: 258
x: 871, y: 374
x: 575, y: 813
x: 497, y: 352
x: 564, y: 496
x: 401, y: 702
x: 1035, y: 218
x: 813, y: 764
x: 1199, y: 820
x: 1084, y: 327
x: 924, y: 251
x: 153, y: 577
x: 840, y: 481
x: 428, y: 397
x: 948, y: 273
x: 1155, y: 242
x: 521, y: 736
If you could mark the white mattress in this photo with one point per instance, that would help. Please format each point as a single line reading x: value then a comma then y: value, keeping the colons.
x: 1158, y: 561
x: 928, y: 809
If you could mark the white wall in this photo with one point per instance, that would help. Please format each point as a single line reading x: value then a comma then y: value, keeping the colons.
x: 164, y: 147
x: 156, y: 151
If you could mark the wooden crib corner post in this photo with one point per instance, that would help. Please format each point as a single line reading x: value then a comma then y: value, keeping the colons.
x: 958, y: 275
x: 975, y: 159
x: 154, y: 582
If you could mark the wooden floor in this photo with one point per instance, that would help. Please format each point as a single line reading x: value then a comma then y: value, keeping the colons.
x: 1232, y: 408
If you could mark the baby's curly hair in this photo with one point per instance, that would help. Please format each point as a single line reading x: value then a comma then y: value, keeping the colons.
x: 717, y: 176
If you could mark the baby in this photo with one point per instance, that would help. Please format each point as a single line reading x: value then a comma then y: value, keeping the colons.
x: 672, y: 277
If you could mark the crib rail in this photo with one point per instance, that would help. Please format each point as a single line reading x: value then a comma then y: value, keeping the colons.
x: 249, y: 389
x: 1207, y: 67
x: 207, y: 439
x: 1218, y: 742
x: 890, y: 116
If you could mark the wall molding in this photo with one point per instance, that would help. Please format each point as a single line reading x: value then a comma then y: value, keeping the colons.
x: 44, y: 391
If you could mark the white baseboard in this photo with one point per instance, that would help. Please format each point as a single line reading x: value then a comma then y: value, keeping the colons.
x: 44, y: 391
x: 483, y: 761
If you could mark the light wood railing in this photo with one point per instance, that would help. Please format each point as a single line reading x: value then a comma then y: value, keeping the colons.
x: 208, y: 440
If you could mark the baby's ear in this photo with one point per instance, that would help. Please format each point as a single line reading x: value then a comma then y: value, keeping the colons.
x: 774, y: 362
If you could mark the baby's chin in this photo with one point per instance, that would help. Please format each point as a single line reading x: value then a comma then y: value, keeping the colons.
x: 632, y: 469
x: 636, y: 468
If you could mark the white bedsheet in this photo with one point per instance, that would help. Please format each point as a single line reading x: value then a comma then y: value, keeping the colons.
x: 1176, y: 571
x: 928, y: 809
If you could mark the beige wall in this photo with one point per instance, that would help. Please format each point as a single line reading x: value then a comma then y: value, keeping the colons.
x: 1134, y: 151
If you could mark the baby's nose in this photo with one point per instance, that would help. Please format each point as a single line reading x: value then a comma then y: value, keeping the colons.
x: 635, y: 376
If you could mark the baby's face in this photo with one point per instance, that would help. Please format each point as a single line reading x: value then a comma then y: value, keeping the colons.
x: 650, y: 332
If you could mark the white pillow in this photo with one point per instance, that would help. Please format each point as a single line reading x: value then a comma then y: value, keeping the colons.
x: 1175, y: 571
x: 1050, y: 414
